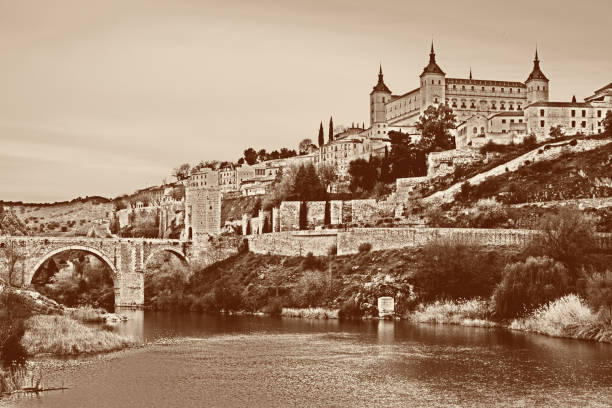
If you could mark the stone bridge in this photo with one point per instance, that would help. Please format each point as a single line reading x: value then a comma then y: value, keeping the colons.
x: 127, y: 258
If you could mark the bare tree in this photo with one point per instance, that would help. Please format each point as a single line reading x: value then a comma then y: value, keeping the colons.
x: 11, y: 257
x: 181, y: 172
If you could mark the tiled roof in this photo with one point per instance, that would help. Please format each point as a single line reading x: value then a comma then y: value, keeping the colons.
x: 511, y: 113
x: 604, y: 88
x: 536, y: 73
x: 544, y: 104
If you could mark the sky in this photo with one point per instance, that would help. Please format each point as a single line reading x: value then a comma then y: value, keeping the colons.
x: 106, y: 97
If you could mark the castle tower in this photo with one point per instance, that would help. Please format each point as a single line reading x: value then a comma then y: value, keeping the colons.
x: 379, y: 96
x: 537, y: 83
x: 433, y: 83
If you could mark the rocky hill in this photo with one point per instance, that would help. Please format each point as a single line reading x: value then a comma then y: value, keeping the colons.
x: 10, y: 224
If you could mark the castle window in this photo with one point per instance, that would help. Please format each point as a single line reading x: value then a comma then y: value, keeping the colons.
x: 502, y: 90
x: 510, y: 90
x: 483, y: 88
x: 463, y: 87
x: 583, y: 124
x: 543, y: 88
x: 472, y: 105
x: 475, y: 130
x: 573, y: 123
x: 541, y: 123
x: 455, y: 87
x: 493, y: 89
x: 518, y: 90
x: 463, y: 104
x: 435, y: 100
x: 541, y: 112
x: 482, y: 131
x: 383, y: 99
x: 520, y: 120
x: 502, y: 106
x: 503, y: 120
x: 432, y: 81
x: 511, y: 106
x: 472, y: 87
x: 583, y: 113
x: 439, y: 82
x: 599, y: 114
x: 573, y: 113
x: 493, y: 106
x: 454, y: 104
x: 511, y: 120
x: 518, y: 106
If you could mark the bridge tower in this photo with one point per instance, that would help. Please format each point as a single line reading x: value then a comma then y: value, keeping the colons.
x: 202, y: 205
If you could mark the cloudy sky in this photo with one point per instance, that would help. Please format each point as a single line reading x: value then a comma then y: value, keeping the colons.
x: 105, y: 97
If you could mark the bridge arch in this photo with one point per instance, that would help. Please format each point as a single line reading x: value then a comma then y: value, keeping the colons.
x: 100, y: 255
x: 184, y: 260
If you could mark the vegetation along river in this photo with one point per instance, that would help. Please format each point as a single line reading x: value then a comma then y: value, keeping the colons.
x: 195, y: 360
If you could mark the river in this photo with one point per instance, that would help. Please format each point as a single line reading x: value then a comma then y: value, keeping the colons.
x: 195, y: 360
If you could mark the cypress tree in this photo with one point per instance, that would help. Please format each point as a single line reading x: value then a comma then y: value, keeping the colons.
x: 321, y: 135
x: 331, y: 129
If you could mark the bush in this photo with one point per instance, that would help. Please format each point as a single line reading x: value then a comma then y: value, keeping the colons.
x: 451, y: 270
x: 332, y: 250
x: 350, y: 310
x: 599, y: 292
x: 11, y: 350
x: 527, y: 285
x: 274, y: 307
x: 310, y: 290
x: 311, y: 262
x: 365, y: 247
x: 567, y: 237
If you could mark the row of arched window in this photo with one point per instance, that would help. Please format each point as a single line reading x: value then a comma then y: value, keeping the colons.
x: 485, y: 105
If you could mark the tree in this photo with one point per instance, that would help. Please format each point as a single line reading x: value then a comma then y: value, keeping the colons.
x: 607, y: 123
x: 331, y: 129
x: 307, y: 185
x: 250, y: 156
x: 262, y: 156
x: 321, y: 135
x: 406, y: 159
x: 306, y: 146
x: 181, y: 172
x: 364, y: 175
x: 556, y: 132
x: 328, y: 174
x: 12, y: 256
x: 434, y: 126
x: 240, y: 161
x: 286, y: 153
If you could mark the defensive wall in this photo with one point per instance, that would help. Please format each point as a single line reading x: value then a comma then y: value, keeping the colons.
x: 344, y: 242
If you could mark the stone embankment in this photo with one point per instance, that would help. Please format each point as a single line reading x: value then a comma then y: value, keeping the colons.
x: 548, y: 152
x: 344, y: 242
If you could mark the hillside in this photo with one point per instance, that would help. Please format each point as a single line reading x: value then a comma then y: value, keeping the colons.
x: 74, y: 218
x: 571, y: 176
x: 234, y: 206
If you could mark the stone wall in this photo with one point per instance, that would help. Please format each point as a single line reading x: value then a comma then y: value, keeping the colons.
x: 315, y: 214
x: 442, y: 163
x: 290, y: 243
x: 335, y: 212
x: 348, y: 242
x: 290, y: 216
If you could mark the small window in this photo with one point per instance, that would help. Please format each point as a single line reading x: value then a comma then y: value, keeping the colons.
x: 502, y: 90
x: 541, y: 123
x: 475, y: 130
x: 511, y: 120
x: 493, y: 89
x: 583, y: 113
x: 472, y: 87
x: 520, y: 120
x: 541, y: 112
x: 455, y: 87
x: 483, y: 88
x: 538, y: 87
x: 503, y: 120
x: 573, y: 123
x: 518, y: 90
x: 573, y: 113
x: 463, y: 87
x: 439, y: 82
x: 432, y: 82
x: 583, y: 124
x: 599, y: 114
x: 510, y: 90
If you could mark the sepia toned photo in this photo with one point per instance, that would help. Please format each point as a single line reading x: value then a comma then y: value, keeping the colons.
x: 305, y: 203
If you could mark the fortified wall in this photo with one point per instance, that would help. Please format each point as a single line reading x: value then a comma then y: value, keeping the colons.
x: 320, y: 243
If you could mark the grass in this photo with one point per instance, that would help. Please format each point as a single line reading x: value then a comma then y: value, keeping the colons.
x: 13, y: 379
x: 473, y: 312
x: 62, y: 335
x: 568, y: 316
x: 310, y: 313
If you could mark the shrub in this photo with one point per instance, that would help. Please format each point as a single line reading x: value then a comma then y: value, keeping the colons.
x: 274, y: 307
x: 11, y: 350
x: 310, y: 290
x: 573, y: 142
x: 311, y: 262
x: 599, y: 292
x: 64, y: 228
x: 365, y: 247
x: 332, y: 250
x: 350, y: 310
x: 567, y: 237
x: 451, y: 270
x: 473, y: 312
x: 527, y: 285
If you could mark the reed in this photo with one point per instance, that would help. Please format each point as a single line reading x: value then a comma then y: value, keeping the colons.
x: 473, y: 312
x: 62, y: 335
x: 568, y: 316
x: 310, y: 313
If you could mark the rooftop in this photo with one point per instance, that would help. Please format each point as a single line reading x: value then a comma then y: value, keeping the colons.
x: 484, y: 82
x: 544, y: 104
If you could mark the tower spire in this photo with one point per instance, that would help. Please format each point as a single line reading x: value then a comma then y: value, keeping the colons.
x: 432, y: 53
x: 536, y: 54
x: 470, y: 72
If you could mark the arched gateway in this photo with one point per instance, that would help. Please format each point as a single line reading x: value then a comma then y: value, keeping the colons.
x: 126, y: 258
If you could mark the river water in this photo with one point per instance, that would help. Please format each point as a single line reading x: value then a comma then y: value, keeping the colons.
x: 195, y: 360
